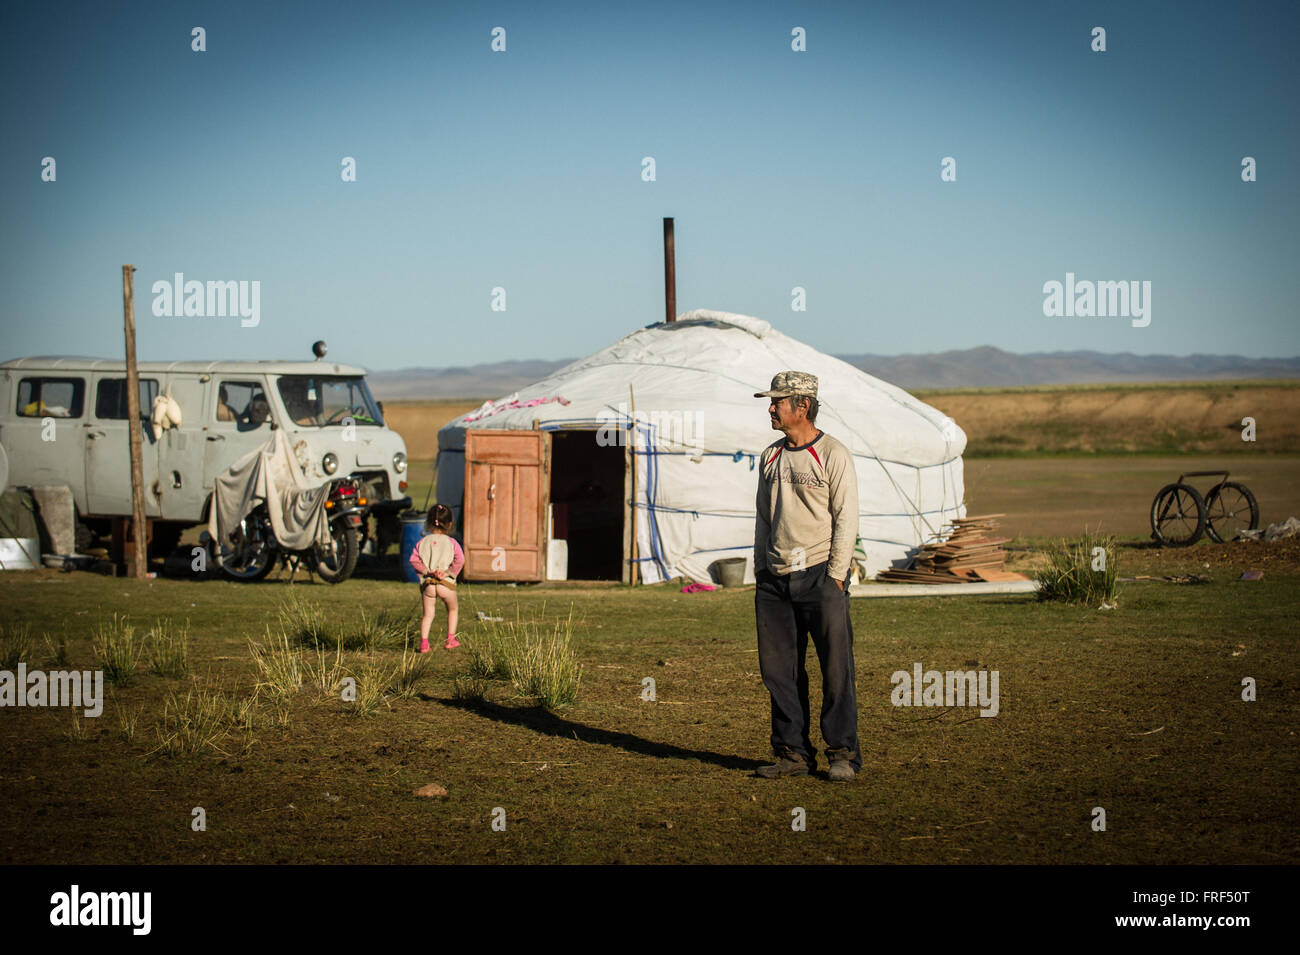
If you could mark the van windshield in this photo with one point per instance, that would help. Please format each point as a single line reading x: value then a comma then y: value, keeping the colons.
x: 321, y: 400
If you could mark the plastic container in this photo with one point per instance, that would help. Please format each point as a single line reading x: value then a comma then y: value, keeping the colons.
x: 557, y: 560
x: 412, y: 531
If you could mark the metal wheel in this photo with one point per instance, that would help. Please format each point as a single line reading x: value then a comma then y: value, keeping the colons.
x: 1178, y: 515
x: 337, y: 567
x: 1229, y: 508
x: 253, y: 554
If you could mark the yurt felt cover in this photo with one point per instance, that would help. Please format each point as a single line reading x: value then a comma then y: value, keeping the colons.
x: 699, y: 431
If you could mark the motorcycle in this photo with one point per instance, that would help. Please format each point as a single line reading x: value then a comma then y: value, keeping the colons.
x: 253, y: 551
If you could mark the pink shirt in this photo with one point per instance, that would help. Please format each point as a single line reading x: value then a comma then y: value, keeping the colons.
x: 457, y: 560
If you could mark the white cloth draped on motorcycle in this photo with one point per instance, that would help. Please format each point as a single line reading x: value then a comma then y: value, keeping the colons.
x: 271, y: 474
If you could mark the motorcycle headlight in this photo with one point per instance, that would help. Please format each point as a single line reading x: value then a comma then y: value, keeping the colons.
x: 399, y: 462
x: 330, y: 462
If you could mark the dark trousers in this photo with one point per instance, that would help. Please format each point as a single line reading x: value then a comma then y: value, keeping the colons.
x: 788, y: 608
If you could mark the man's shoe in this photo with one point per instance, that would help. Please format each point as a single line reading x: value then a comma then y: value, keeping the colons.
x: 783, y: 767
x: 841, y: 771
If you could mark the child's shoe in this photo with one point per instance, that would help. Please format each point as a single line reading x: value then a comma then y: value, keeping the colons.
x: 424, y: 646
x: 452, y: 642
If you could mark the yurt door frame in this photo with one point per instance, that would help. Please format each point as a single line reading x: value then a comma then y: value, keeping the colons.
x: 516, y: 481
x: 507, y: 497
x: 589, y: 496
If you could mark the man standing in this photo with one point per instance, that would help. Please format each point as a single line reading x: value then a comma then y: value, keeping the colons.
x: 804, y: 535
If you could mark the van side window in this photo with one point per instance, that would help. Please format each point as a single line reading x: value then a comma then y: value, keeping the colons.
x: 110, y: 398
x: 52, y: 397
x: 242, y: 403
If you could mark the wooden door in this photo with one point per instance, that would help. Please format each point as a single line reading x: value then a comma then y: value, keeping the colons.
x: 507, y: 491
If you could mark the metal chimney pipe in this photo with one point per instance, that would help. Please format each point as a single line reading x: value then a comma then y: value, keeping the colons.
x: 670, y: 272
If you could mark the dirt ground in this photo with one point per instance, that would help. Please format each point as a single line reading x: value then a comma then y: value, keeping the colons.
x: 1137, y: 710
x: 1059, y: 496
x: 1220, y: 563
x: 1158, y: 418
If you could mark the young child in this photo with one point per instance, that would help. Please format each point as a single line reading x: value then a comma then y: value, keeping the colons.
x: 437, y: 558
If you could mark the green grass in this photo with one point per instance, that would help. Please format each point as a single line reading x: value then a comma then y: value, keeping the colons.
x: 118, y: 649
x: 1137, y: 710
x: 167, y: 648
x: 128, y: 721
x: 309, y: 624
x: 56, y: 650
x: 16, y: 645
x: 489, y: 650
x: 534, y: 655
x: 196, y: 720
x: 278, y: 666
x: 542, y: 663
x: 373, y: 679
x: 1081, y: 571
x: 411, y: 671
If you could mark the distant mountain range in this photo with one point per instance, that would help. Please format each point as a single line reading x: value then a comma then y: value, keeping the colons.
x: 989, y: 367
x: 492, y: 380
x: 984, y: 367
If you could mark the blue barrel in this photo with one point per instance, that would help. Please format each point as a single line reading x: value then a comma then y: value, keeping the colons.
x: 412, y: 531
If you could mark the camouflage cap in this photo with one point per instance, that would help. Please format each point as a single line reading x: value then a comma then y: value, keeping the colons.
x: 788, y: 383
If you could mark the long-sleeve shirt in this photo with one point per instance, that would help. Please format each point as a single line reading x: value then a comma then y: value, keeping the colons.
x: 437, y: 552
x: 807, y: 507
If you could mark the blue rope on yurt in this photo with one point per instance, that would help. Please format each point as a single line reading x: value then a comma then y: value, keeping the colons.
x: 652, y: 493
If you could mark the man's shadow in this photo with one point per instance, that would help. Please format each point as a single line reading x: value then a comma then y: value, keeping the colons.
x: 540, y: 720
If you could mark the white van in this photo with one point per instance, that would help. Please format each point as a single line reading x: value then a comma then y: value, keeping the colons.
x: 64, y: 421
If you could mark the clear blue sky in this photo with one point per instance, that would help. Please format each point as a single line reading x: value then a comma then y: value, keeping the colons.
x: 523, y: 170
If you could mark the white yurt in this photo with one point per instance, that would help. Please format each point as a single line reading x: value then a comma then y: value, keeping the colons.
x: 665, y: 420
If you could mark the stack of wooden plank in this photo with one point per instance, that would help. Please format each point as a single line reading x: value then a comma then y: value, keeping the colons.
x: 972, y: 552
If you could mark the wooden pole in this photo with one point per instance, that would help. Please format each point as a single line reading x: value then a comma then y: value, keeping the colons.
x: 139, y: 527
x: 670, y: 271
x: 634, y: 569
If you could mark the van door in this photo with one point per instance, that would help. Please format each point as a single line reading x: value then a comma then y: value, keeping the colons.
x: 108, y: 447
x: 43, y: 433
x: 180, y: 457
x: 237, y: 421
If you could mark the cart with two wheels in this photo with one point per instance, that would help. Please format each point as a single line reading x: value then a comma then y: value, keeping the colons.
x: 1180, y: 514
